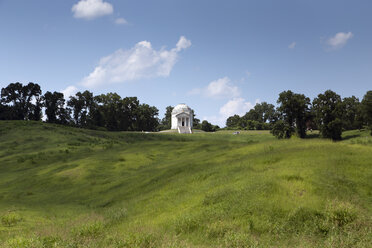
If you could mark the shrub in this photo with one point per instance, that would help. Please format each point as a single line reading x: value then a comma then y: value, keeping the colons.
x: 334, y: 130
x: 341, y: 214
x: 10, y: 219
x: 282, y: 130
x: 19, y: 242
x: 50, y: 242
x: 208, y: 127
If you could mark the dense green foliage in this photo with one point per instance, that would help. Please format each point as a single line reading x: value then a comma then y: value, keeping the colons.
x: 329, y: 112
x: 18, y: 99
x: 295, y: 114
x: 282, y: 130
x: 352, y: 116
x: 257, y: 118
x: 294, y: 109
x: 208, y: 127
x: 367, y: 109
x: 166, y: 122
x: 70, y: 187
x: 106, y: 111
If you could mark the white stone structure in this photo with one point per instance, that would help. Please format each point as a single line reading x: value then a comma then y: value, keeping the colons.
x: 182, y: 118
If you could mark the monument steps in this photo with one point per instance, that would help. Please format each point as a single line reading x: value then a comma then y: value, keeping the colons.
x: 184, y: 129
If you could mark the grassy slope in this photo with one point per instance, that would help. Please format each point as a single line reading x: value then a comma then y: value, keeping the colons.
x: 70, y: 187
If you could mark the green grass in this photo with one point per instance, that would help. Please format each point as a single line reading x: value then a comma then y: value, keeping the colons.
x: 69, y: 187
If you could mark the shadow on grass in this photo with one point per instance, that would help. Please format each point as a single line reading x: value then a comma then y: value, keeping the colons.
x: 312, y: 135
x: 351, y: 136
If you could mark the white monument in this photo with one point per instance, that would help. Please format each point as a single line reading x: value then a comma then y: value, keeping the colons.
x: 182, y: 118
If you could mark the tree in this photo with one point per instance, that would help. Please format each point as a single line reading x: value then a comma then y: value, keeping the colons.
x: 19, y: 99
x: 196, y: 122
x: 252, y: 115
x: 264, y: 112
x: 166, y: 122
x: 127, y: 110
x: 13, y: 95
x: 146, y: 118
x: 76, y: 105
x: 294, y: 109
x: 81, y: 104
x: 55, y: 111
x: 282, y: 130
x: 232, y: 121
x: 5, y: 112
x: 366, y: 109
x: 352, y: 115
x: 329, y: 110
x: 207, y: 127
x: 109, y: 112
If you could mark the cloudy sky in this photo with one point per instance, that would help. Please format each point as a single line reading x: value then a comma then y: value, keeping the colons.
x: 219, y: 57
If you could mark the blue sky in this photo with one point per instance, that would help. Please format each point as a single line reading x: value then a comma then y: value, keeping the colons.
x: 219, y: 57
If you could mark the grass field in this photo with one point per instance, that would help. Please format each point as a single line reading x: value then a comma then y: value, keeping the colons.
x: 69, y: 187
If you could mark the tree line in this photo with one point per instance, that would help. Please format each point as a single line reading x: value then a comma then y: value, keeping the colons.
x: 295, y: 114
x: 106, y: 111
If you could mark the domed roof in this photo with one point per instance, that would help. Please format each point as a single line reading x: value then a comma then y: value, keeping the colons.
x: 180, y: 108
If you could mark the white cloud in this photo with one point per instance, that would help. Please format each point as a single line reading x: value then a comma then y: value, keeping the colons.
x: 91, y: 9
x: 183, y: 43
x: 292, y: 45
x: 69, y: 91
x: 121, y: 21
x: 142, y: 61
x: 236, y: 106
x: 220, y: 88
x: 339, y: 40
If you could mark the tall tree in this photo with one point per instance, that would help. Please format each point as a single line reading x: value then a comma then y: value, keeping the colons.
x: 232, y: 121
x: 128, y: 110
x: 109, y: 105
x: 146, y: 118
x: 81, y: 104
x: 253, y: 115
x: 32, y: 93
x: 294, y: 109
x: 264, y: 112
x: 20, y: 100
x: 196, y: 122
x: 329, y: 110
x: 207, y: 127
x: 367, y: 109
x: 167, y: 120
x: 352, y: 115
x: 115, y: 113
x: 55, y: 111
x: 36, y: 108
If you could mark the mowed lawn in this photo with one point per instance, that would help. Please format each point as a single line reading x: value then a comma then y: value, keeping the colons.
x: 70, y: 187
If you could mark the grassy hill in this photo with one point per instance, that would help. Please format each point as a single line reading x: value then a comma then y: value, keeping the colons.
x: 69, y: 187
